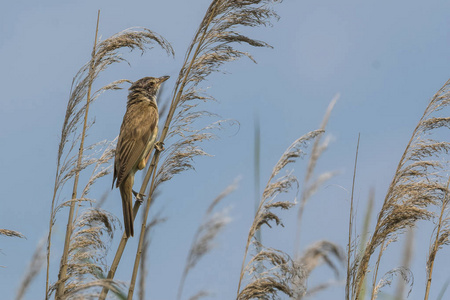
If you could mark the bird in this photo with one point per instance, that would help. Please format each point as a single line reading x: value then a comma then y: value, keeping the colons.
x: 136, y: 140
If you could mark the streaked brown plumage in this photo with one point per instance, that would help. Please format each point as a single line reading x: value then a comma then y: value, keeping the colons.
x: 136, y: 140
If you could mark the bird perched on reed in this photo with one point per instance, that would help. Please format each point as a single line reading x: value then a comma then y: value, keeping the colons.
x: 136, y: 140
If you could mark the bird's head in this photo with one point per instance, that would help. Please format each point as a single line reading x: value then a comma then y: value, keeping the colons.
x: 148, y: 86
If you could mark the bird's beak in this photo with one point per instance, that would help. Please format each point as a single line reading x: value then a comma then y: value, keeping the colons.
x: 163, y: 78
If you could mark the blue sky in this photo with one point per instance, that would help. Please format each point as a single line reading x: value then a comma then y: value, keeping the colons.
x: 385, y: 58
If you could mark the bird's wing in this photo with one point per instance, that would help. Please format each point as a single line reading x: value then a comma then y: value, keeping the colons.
x: 139, y: 124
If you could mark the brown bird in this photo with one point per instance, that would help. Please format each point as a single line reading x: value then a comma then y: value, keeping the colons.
x: 136, y: 140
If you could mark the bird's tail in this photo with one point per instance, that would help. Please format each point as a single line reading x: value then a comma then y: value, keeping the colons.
x: 127, y: 204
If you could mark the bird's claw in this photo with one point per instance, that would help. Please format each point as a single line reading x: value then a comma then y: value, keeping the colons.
x: 159, y: 146
x: 139, y: 196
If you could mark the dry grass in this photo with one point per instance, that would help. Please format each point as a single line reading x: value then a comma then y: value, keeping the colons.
x: 310, y: 184
x: 350, y: 246
x: 211, y: 47
x: 272, y: 271
x: 211, y: 226
x: 92, y: 235
x: 276, y: 270
x: 33, y: 269
x: 405, y: 263
x: 419, y: 187
x: 11, y: 233
x: 441, y: 238
x: 69, y: 162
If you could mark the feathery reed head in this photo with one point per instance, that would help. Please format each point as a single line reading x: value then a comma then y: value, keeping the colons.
x: 88, y: 247
x: 212, y: 225
x: 34, y: 267
x: 418, y: 183
x: 404, y: 273
x: 284, y: 275
x: 273, y: 272
x: 319, y: 253
x: 11, y: 233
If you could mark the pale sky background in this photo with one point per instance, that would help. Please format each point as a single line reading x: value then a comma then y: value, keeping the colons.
x: 385, y: 58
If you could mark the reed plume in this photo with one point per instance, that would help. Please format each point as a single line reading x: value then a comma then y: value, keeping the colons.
x: 440, y: 239
x: 417, y: 186
x: 311, y: 186
x: 404, y: 272
x: 155, y: 220
x: 92, y: 236
x: 357, y: 246
x: 277, y: 271
x: 211, y: 47
x: 11, y: 233
x: 211, y: 226
x: 406, y: 263
x: 351, y: 246
x: 315, y: 255
x: 69, y: 161
x: 33, y: 269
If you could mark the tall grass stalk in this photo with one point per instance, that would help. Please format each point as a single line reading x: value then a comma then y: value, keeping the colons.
x: 364, y: 235
x: 443, y: 289
x: 273, y: 271
x: 212, y: 224
x: 257, y: 172
x: 315, y: 255
x: 32, y: 270
x: 210, y: 48
x: 375, y: 273
x: 63, y: 265
x: 11, y: 233
x: 143, y: 269
x: 268, y: 282
x: 69, y: 165
x: 155, y: 220
x: 350, y: 224
x: 441, y: 238
x: 406, y: 262
x: 416, y: 186
x: 140, y: 245
x: 310, y: 186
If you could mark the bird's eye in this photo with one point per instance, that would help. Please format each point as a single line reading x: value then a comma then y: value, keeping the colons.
x: 152, y: 84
